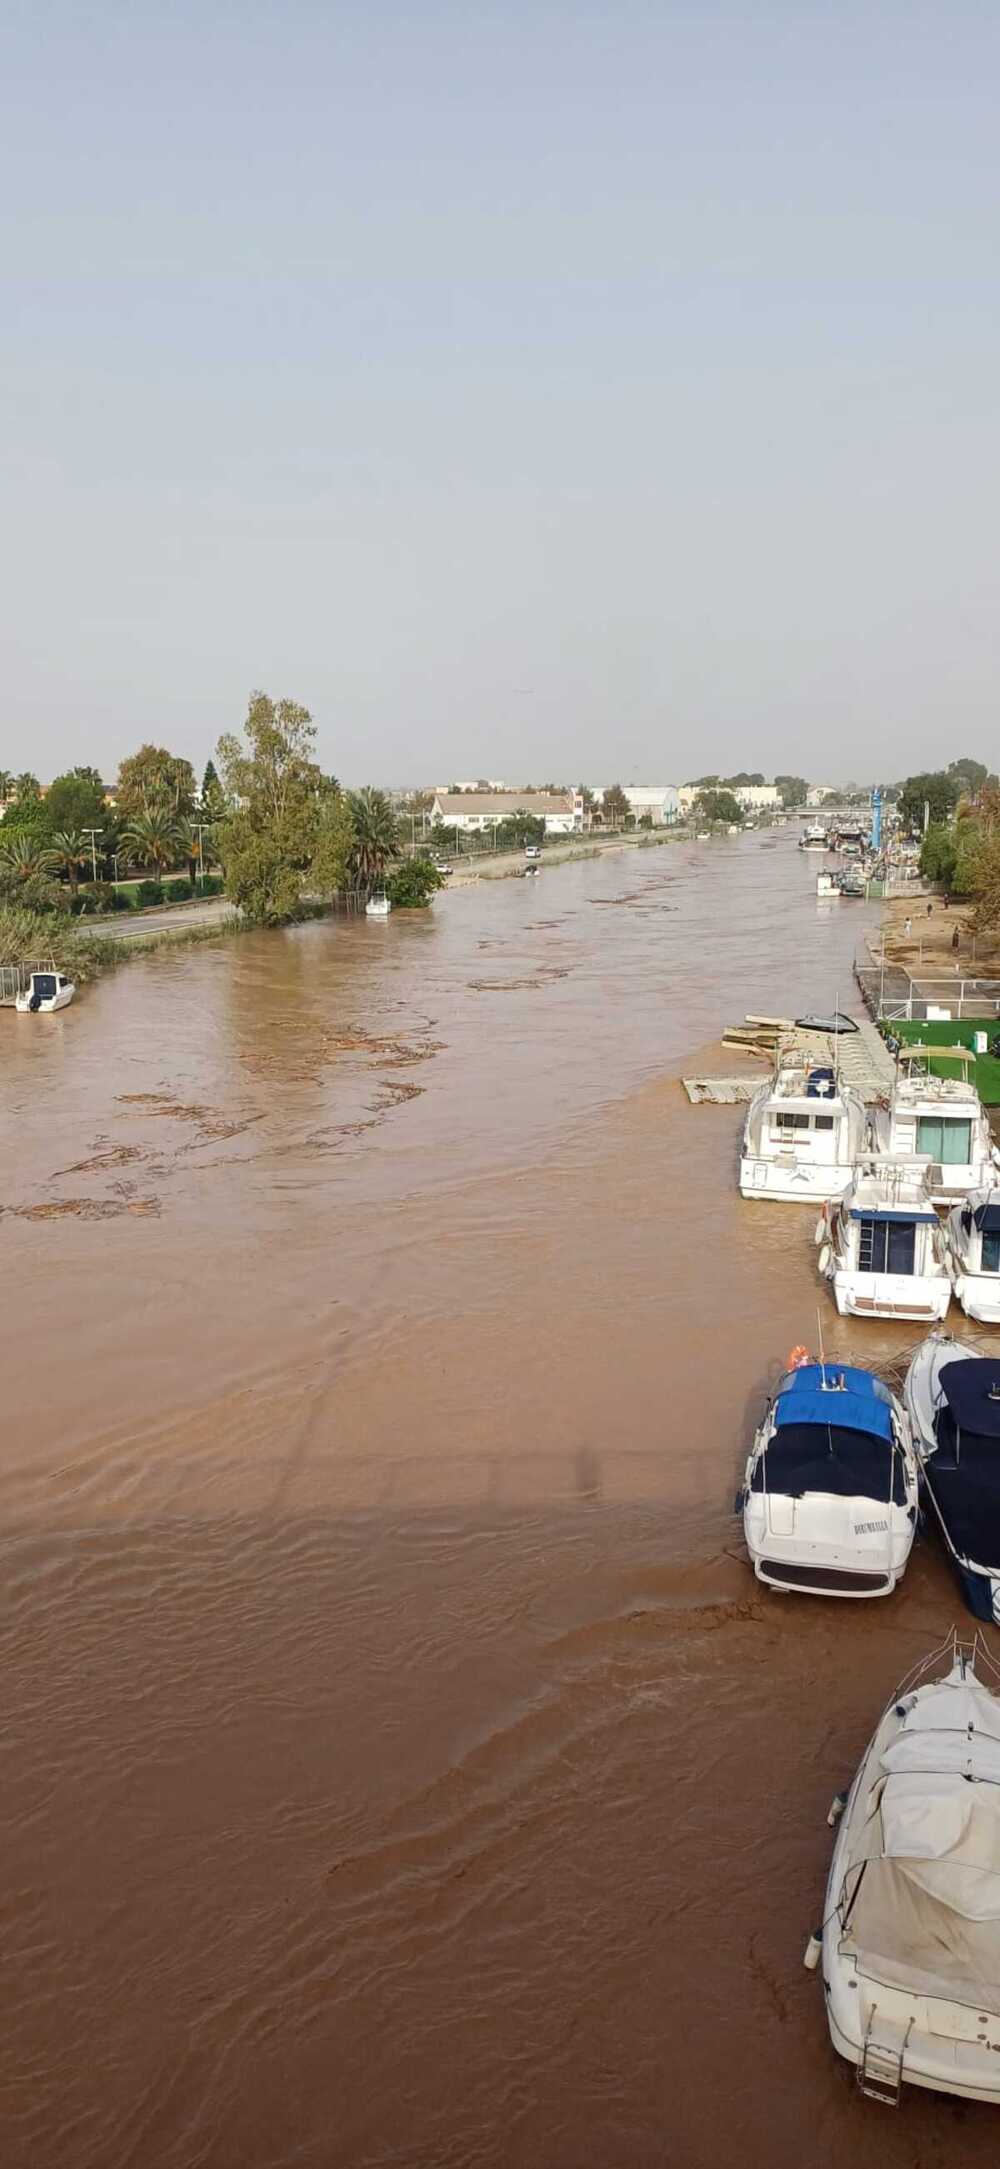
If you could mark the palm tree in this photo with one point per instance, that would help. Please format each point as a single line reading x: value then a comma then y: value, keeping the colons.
x: 26, y: 857
x: 68, y: 852
x: 376, y: 836
x: 154, y: 838
x: 6, y: 786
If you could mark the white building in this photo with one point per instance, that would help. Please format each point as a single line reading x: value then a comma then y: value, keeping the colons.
x: 754, y: 797
x: 659, y: 801
x: 474, y: 811
x: 818, y: 793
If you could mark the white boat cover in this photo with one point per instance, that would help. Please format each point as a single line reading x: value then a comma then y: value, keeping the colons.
x: 926, y: 1916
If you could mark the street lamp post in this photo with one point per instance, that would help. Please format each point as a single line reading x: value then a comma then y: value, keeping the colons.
x: 93, y: 833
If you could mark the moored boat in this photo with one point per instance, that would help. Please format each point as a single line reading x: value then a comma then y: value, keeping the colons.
x: 910, y: 1941
x: 44, y: 993
x: 803, y: 1133
x: 830, y: 1488
x: 882, y: 1248
x: 936, y: 1125
x: 952, y: 1397
x: 972, y: 1243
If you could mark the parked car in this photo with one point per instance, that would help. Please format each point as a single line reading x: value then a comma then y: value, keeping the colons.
x: 531, y: 851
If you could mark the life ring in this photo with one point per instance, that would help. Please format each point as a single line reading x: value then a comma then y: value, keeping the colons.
x: 796, y: 1358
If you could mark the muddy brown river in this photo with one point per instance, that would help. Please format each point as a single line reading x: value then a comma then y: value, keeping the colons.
x: 400, y: 1764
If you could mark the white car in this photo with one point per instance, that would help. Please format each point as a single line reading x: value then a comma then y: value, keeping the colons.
x: 531, y: 851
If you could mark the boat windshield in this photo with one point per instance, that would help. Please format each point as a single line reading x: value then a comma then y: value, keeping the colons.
x: 44, y: 985
x: 804, y: 1457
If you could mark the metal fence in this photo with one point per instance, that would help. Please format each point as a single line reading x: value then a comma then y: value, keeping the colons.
x: 894, y: 994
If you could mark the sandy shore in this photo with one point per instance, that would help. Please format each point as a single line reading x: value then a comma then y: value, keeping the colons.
x: 930, y: 942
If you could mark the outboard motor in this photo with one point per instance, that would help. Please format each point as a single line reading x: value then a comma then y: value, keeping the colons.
x: 36, y: 1000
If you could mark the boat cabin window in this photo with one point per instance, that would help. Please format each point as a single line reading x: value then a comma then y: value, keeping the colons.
x: 991, y: 1254
x: 948, y: 1142
x: 44, y: 985
x: 823, y: 1122
x: 886, y: 1246
x: 785, y: 1121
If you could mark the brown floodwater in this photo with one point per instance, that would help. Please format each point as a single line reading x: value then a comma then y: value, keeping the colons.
x: 400, y: 1763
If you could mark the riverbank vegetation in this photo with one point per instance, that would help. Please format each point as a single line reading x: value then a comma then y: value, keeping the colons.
x: 961, y: 843
x: 267, y: 827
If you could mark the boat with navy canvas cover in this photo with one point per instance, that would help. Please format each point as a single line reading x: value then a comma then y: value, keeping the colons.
x: 952, y: 1397
x: 830, y: 1488
x: 972, y: 1244
x: 910, y: 1940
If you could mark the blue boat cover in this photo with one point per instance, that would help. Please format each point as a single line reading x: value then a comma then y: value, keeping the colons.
x: 861, y: 1403
x: 971, y: 1387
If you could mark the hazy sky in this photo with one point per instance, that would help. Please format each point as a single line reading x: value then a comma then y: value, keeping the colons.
x: 531, y: 389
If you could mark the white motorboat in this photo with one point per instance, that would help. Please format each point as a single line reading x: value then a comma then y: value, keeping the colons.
x: 830, y: 1490
x: 45, y: 992
x: 802, y: 1135
x: 952, y: 1396
x: 827, y: 884
x: 910, y: 1941
x: 814, y: 838
x: 936, y: 1124
x: 882, y: 1247
x: 378, y: 907
x: 972, y: 1245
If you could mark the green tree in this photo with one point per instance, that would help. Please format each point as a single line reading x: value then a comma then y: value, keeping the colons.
x: 411, y: 885
x: 719, y: 806
x: 154, y: 777
x: 794, y: 790
x: 969, y: 775
x: 6, y: 786
x: 75, y: 801
x: 287, y: 832
x: 155, y: 837
x: 26, y: 857
x: 376, y: 836
x: 615, y: 805
x: 519, y: 829
x: 745, y: 777
x: 27, y: 789
x: 933, y: 788
x: 69, y: 853
x: 212, y: 803
x: 939, y: 854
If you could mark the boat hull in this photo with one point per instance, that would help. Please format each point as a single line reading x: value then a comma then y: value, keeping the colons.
x: 891, y: 1295
x: 803, y: 1184
x: 979, y: 1295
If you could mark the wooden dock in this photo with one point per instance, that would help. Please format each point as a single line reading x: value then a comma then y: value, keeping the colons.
x: 862, y: 1057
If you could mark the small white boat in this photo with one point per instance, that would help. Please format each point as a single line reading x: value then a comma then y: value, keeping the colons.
x: 972, y: 1245
x: 830, y: 1489
x: 882, y: 1247
x: 814, y: 838
x: 952, y: 1396
x: 910, y: 1941
x: 45, y: 992
x: 936, y: 1125
x: 802, y: 1136
x: 378, y: 907
x: 827, y: 884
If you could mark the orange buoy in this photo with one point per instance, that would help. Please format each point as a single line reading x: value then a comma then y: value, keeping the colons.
x: 796, y: 1358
